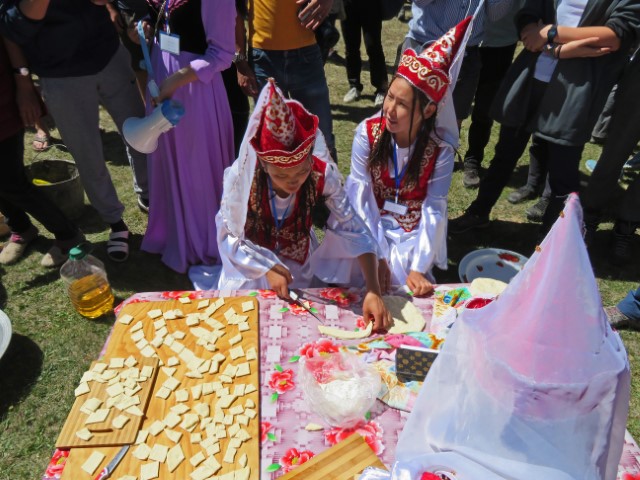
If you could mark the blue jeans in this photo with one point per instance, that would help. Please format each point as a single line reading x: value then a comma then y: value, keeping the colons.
x: 630, y: 305
x: 300, y: 74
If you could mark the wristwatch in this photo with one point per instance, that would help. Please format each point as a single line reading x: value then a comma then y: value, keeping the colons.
x: 552, y: 33
x: 22, y: 71
x: 239, y: 57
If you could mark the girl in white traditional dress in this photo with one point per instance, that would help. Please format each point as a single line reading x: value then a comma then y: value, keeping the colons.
x: 401, y: 165
x: 283, y: 179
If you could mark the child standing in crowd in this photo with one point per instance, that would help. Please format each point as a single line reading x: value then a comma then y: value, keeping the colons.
x: 401, y: 169
x: 281, y: 179
x: 185, y: 172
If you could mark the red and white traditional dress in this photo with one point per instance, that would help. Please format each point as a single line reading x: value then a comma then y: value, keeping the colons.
x: 249, y: 241
x: 416, y: 240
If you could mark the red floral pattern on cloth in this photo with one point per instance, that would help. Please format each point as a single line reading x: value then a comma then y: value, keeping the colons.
x: 630, y: 476
x: 371, y: 432
x: 175, y: 295
x: 267, y: 294
x: 282, y: 381
x: 298, y: 310
x: 265, y: 428
x: 341, y: 296
x: 57, y: 463
x: 294, y: 457
x: 323, y: 346
x: 384, y: 187
x: 361, y: 324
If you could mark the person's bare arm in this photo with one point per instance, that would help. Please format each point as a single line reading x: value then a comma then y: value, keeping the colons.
x: 26, y: 96
x: 34, y: 9
x: 534, y: 36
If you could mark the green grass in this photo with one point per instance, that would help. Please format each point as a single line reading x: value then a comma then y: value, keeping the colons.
x: 52, y: 345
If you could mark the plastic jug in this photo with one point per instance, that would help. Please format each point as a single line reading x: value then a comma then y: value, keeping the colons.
x: 87, y: 283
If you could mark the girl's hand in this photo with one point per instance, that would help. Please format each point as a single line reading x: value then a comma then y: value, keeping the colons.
x: 534, y: 36
x: 314, y: 12
x: 418, y: 284
x: 384, y: 275
x: 279, y: 279
x: 132, y: 32
x: 582, y: 49
x: 373, y: 309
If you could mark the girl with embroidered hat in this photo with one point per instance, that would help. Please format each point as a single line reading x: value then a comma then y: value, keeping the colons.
x: 401, y: 164
x: 283, y: 178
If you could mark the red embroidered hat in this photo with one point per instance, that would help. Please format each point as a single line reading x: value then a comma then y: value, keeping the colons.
x: 429, y: 71
x: 287, y: 130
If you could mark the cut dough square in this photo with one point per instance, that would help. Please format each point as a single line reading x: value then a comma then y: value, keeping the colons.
x: 243, y: 369
x: 141, y: 437
x: 163, y: 392
x: 249, y: 403
x: 195, y: 437
x: 157, y: 341
x: 159, y: 453
x: 203, y: 303
x: 242, y: 474
x: 238, y: 390
x: 82, y: 389
x: 242, y: 420
x: 173, y: 435
x: 172, y: 419
x: 162, y: 332
x: 136, y: 326
x: 170, y: 315
x: 179, y: 334
x: 171, y: 383
x: 159, y: 323
x: 84, y: 434
x: 125, y: 319
x: 137, y: 336
x: 119, y: 422
x: 142, y: 452
x: 91, y: 405
x: 251, y: 354
x: 156, y: 427
x: 184, y: 300
x: 175, y: 457
x: 149, y: 471
x: 154, y: 313
x: 244, y: 327
x: 135, y: 411
x: 201, y: 473
x: 98, y: 416
x: 243, y: 460
x: 169, y: 371
x: 131, y: 361
x: 230, y: 455
x: 229, y: 313
x: 202, y: 409
x: 148, y: 351
x: 236, y: 339
x: 196, y: 391
x: 192, y: 320
x: 180, y: 408
x: 182, y: 395
x: 197, y: 459
x: 93, y: 462
x: 226, y: 379
x: 194, y: 375
x: 250, y: 412
x: 173, y: 361
x: 146, y: 371
x: 115, y: 390
x: 249, y: 388
x: 230, y: 370
x: 117, y: 362
x: 128, y: 477
x: 248, y: 306
x: 236, y: 352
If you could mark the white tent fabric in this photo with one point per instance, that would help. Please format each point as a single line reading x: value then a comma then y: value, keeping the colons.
x: 534, y: 385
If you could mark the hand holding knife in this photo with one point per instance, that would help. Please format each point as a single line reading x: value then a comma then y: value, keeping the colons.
x: 111, y: 466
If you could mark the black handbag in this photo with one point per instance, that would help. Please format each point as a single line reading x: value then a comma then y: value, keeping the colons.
x: 390, y: 8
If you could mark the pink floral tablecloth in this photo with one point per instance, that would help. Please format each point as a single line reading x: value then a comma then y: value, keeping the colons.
x: 288, y: 333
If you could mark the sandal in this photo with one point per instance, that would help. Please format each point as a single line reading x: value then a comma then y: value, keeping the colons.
x: 41, y: 143
x: 118, y: 246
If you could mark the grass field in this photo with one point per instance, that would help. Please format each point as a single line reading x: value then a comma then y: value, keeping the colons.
x: 52, y: 345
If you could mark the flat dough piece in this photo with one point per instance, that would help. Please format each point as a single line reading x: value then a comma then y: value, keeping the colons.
x: 345, y: 334
x: 486, y: 286
x: 93, y: 462
x: 406, y: 317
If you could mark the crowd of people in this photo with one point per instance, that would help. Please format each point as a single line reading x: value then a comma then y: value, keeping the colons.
x: 239, y: 193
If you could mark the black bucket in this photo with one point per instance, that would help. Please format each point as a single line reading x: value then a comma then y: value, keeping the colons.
x: 59, y: 180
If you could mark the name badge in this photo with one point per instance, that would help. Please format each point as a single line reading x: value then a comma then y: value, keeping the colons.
x: 394, y: 207
x: 170, y: 42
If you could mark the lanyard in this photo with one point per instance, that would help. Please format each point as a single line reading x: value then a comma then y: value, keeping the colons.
x: 154, y: 91
x: 272, y: 194
x: 166, y: 17
x: 398, y: 178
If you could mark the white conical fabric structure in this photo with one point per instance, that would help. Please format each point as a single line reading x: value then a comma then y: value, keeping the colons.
x: 534, y: 385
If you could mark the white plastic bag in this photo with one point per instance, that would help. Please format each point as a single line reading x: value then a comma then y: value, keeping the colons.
x: 534, y: 385
x: 340, y: 387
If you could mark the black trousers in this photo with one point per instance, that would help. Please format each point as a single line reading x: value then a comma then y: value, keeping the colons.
x: 364, y: 18
x: 495, y: 62
x: 238, y: 103
x: 562, y: 162
x: 18, y: 196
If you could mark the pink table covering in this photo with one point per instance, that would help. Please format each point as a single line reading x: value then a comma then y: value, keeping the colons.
x: 287, y: 332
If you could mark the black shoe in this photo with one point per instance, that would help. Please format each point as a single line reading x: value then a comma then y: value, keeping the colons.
x: 536, y: 211
x: 621, y: 248
x: 467, y: 221
x: 143, y: 205
x: 522, y: 194
x: 470, y: 177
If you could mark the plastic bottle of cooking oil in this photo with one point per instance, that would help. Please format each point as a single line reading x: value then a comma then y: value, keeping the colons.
x: 87, y: 283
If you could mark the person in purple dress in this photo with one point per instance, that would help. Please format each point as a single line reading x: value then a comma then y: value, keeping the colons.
x: 192, y: 42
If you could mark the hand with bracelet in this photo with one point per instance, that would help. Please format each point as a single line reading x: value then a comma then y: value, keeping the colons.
x: 584, y: 48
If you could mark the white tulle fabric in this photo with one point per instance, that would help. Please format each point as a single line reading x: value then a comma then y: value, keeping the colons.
x: 244, y: 263
x: 534, y: 385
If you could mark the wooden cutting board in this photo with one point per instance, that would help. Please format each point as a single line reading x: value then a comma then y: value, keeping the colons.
x: 341, y: 462
x: 103, y: 433
x: 122, y: 345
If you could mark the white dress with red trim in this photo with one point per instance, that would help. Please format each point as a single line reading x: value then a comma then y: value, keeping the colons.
x: 248, y: 257
x: 415, y: 241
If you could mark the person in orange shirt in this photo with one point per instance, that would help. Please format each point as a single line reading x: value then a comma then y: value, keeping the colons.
x: 282, y: 45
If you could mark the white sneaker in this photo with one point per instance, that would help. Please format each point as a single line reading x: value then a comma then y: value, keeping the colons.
x: 352, y: 95
x: 379, y: 99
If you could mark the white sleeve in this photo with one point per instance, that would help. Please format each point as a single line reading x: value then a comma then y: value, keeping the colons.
x: 359, y: 189
x: 343, y: 222
x: 431, y: 241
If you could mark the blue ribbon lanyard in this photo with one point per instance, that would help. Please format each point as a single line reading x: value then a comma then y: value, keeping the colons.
x: 398, y: 178
x: 272, y: 194
x: 154, y: 91
x: 166, y: 17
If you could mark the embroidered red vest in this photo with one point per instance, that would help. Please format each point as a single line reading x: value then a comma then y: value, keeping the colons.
x: 384, y: 187
x: 260, y: 226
